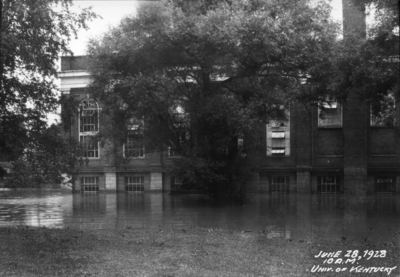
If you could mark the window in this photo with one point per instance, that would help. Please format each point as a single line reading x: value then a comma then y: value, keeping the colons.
x: 278, y: 143
x: 89, y: 127
x: 278, y: 136
x: 90, y: 183
x: 328, y: 184
x: 133, y: 147
x: 279, y: 184
x: 385, y: 185
x: 179, y: 116
x: 89, y: 116
x: 134, y: 183
x: 90, y: 146
x: 383, y: 114
x: 330, y: 114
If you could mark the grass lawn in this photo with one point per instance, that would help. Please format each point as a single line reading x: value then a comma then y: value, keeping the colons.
x: 178, y: 252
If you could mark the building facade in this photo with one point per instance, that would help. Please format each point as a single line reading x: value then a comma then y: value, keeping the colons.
x: 336, y: 149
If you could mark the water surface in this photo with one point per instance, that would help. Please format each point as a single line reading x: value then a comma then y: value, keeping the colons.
x: 296, y: 216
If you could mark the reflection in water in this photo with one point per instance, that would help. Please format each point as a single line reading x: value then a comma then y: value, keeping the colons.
x: 303, y: 217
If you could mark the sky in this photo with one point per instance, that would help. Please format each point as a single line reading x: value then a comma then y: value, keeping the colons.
x: 113, y: 11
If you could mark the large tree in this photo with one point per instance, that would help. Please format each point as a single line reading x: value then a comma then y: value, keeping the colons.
x: 205, y: 78
x: 366, y: 62
x: 33, y: 34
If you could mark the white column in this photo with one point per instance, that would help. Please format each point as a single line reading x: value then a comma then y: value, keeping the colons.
x: 111, y: 181
x: 155, y: 181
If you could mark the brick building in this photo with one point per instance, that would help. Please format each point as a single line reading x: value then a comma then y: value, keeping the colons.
x: 345, y: 150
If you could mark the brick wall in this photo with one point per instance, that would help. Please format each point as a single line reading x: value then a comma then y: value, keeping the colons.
x: 382, y: 141
x: 329, y: 142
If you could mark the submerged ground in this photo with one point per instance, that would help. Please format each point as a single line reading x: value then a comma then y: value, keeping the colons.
x: 153, y: 234
x: 187, y: 251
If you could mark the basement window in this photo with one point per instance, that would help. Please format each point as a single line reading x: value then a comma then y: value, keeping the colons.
x: 385, y: 185
x: 278, y: 184
x: 328, y: 184
x: 90, y: 183
x: 134, y: 183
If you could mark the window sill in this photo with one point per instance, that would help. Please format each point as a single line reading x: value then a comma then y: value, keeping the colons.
x: 329, y: 156
x: 383, y: 155
x: 381, y: 127
x: 330, y: 127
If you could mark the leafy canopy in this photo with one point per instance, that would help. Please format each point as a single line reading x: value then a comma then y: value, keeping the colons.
x: 205, y: 78
x: 33, y: 36
x: 369, y: 65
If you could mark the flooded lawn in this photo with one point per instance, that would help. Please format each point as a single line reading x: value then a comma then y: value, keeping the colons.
x: 293, y: 216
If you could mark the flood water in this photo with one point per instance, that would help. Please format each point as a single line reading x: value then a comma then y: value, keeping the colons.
x: 296, y: 216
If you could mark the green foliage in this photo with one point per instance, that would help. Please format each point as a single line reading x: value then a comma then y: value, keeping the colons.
x: 205, y: 80
x: 33, y: 36
x: 369, y: 66
x: 47, y: 155
x: 69, y: 111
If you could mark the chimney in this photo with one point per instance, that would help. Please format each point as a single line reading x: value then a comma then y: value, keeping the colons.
x: 353, y: 19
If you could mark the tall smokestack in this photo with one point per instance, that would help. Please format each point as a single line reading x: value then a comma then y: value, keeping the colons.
x: 353, y: 19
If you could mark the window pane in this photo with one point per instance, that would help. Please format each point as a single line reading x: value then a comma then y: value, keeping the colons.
x: 89, y: 116
x: 330, y: 117
x: 133, y: 148
x: 134, y: 183
x: 278, y: 151
x: 90, y: 183
x: 90, y: 146
x: 278, y: 135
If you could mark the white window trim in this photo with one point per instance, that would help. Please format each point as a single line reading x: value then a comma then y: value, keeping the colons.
x: 91, y: 133
x: 278, y: 134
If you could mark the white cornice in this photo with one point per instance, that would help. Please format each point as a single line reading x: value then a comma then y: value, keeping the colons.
x: 72, y: 74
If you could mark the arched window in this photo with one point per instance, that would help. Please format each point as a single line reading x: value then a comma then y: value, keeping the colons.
x: 89, y: 116
x: 89, y: 127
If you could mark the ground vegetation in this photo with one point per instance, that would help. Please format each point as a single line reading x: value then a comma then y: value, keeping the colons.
x: 185, y: 251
